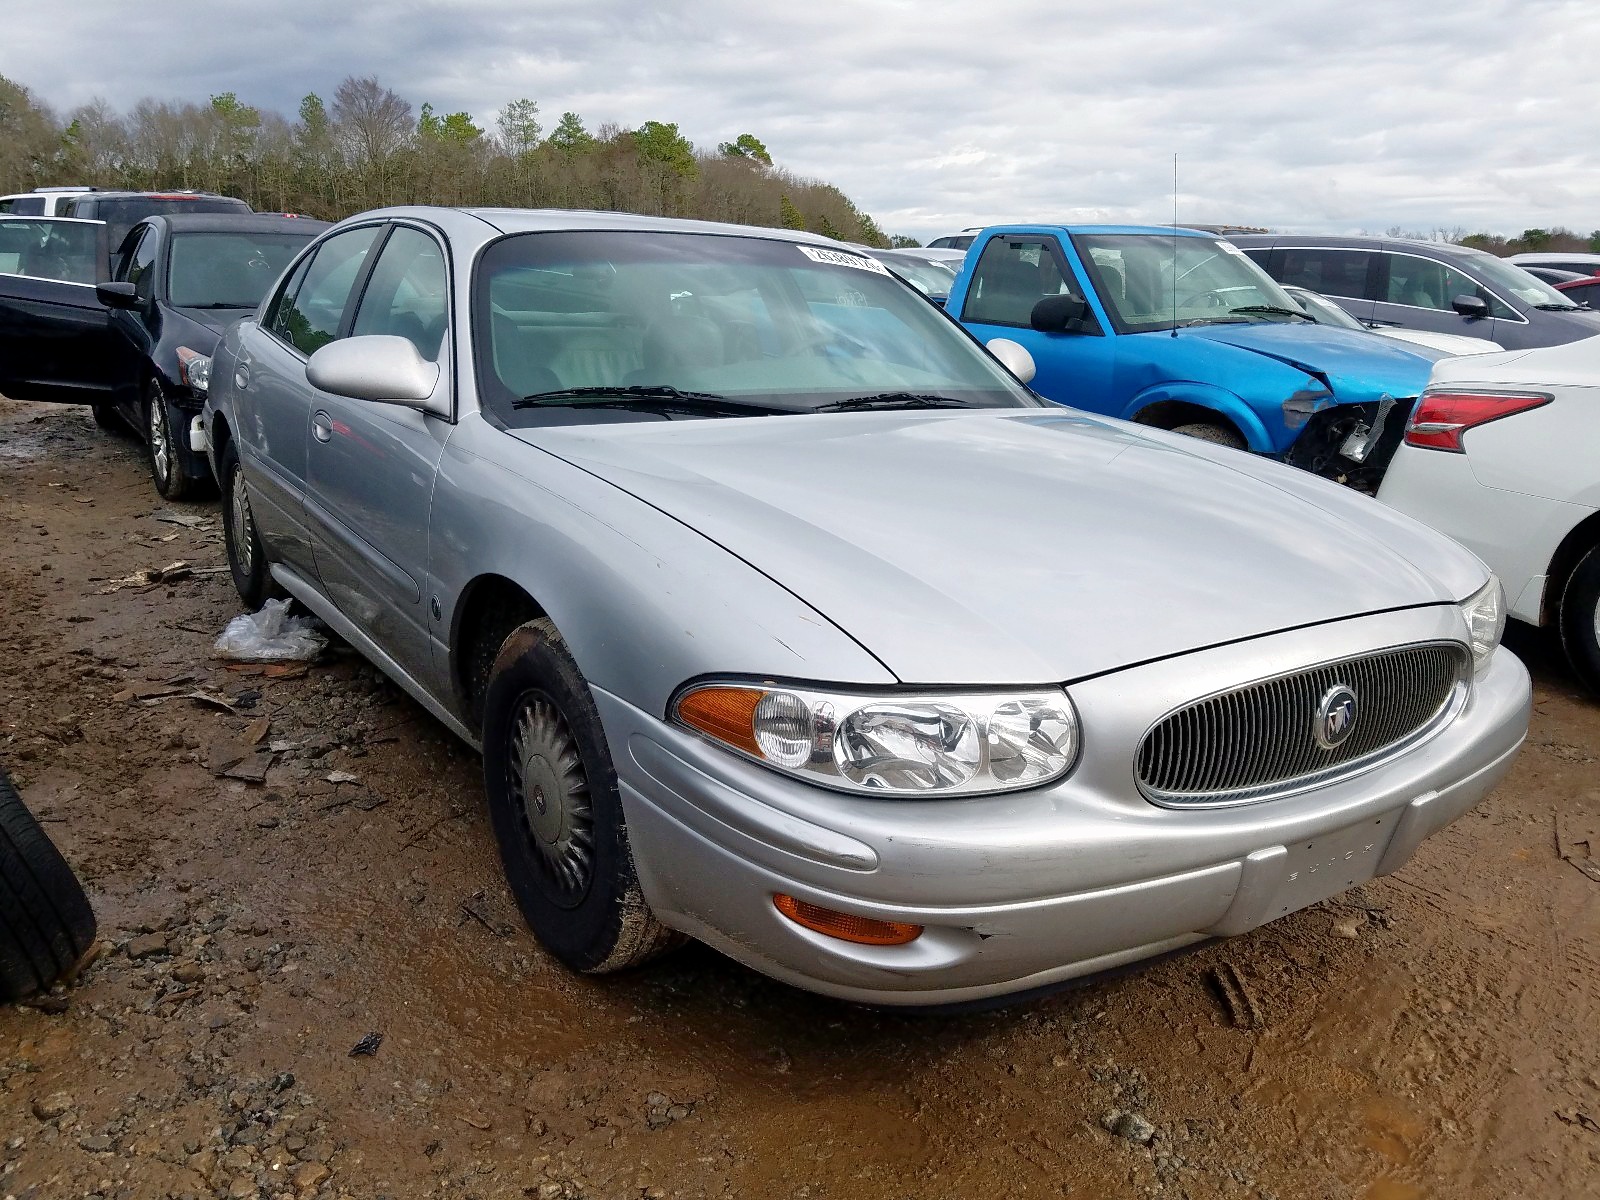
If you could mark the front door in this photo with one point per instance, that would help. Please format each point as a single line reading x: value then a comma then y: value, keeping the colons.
x: 1419, y: 293
x: 1015, y: 272
x: 370, y: 466
x: 56, y: 340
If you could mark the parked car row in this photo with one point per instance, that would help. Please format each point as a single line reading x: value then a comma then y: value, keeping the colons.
x: 747, y: 570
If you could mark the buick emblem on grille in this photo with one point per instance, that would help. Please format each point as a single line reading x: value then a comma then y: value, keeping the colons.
x: 1336, y: 717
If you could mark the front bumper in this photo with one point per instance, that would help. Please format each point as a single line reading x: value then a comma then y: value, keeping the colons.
x: 1021, y: 891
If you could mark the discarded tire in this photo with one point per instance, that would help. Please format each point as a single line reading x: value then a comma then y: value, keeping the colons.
x: 46, y: 923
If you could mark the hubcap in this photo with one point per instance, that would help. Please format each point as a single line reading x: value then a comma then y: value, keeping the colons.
x: 551, y: 792
x: 160, y: 443
x: 240, y: 522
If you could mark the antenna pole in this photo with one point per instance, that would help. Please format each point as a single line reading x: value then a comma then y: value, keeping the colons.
x: 1174, y: 244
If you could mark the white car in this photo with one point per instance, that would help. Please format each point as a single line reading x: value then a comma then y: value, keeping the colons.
x: 1503, y: 454
x: 41, y: 202
x: 1325, y: 312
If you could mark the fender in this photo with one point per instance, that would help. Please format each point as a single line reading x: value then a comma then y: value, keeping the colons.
x: 1208, y: 396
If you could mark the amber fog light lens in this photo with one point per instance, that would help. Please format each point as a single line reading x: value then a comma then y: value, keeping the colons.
x: 725, y: 713
x: 847, y: 927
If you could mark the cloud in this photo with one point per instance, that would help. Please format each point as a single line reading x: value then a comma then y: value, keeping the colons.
x: 936, y: 115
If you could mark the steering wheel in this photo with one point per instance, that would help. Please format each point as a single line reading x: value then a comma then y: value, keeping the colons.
x: 1210, y: 298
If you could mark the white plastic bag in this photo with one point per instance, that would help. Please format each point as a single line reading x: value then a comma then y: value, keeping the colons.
x: 271, y: 635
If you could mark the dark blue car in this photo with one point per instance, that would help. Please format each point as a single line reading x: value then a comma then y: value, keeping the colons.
x: 1180, y: 330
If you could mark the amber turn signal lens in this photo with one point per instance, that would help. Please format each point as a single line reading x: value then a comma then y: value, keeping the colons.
x: 724, y: 713
x: 847, y: 927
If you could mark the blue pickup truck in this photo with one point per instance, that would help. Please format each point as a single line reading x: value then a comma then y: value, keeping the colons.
x: 1179, y: 329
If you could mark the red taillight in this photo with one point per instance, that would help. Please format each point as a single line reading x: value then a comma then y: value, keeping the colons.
x: 1442, y: 418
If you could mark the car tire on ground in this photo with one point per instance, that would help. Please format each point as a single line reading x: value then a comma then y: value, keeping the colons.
x: 166, y: 460
x: 556, y: 811
x: 1210, y: 431
x: 46, y: 924
x: 1579, y: 620
x: 106, y: 416
x: 247, y: 560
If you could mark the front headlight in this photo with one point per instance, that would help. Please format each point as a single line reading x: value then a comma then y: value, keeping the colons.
x: 904, y: 743
x: 194, y: 369
x: 1485, y: 614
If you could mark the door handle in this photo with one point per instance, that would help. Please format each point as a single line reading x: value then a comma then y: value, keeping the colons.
x: 322, y: 427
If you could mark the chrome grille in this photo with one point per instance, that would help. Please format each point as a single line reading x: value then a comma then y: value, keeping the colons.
x: 1259, y: 740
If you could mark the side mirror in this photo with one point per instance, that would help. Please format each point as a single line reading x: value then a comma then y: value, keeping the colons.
x: 1014, y: 357
x: 1054, y: 314
x: 117, y: 295
x: 375, y: 366
x: 1470, y: 306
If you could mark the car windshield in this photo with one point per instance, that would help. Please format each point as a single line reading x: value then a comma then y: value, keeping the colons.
x: 1508, y: 277
x: 594, y: 326
x: 228, y: 270
x: 929, y: 277
x: 1322, y: 310
x: 1151, y: 281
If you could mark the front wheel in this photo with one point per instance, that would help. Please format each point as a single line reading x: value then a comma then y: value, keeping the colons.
x: 166, y: 464
x: 1579, y: 620
x: 1211, y: 431
x: 556, y: 811
x: 247, y: 561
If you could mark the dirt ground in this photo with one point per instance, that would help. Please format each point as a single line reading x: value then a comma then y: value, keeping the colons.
x: 1431, y: 1035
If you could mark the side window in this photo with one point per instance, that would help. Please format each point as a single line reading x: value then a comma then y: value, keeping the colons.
x: 1013, y: 274
x: 45, y: 248
x: 1328, y: 270
x: 406, y: 294
x: 24, y: 206
x: 1423, y: 283
x: 310, y: 312
x: 138, y: 263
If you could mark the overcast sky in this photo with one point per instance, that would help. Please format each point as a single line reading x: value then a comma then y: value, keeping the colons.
x: 934, y: 115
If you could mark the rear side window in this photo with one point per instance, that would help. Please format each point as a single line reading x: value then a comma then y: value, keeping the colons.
x: 1326, y: 269
x: 24, y: 206
x: 311, y: 309
x: 406, y: 294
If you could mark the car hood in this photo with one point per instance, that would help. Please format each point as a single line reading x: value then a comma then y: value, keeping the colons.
x: 1358, y: 367
x: 1022, y: 546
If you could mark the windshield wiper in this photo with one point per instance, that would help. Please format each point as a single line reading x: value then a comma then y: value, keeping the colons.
x: 1270, y: 308
x: 1548, y: 307
x: 892, y: 400
x: 628, y: 395
x: 217, y: 304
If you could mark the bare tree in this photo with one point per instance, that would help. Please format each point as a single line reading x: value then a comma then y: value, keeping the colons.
x: 373, y: 122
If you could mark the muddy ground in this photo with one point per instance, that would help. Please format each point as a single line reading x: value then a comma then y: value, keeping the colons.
x: 1432, y: 1035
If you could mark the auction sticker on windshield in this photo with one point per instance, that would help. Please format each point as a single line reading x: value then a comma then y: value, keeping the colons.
x: 838, y: 258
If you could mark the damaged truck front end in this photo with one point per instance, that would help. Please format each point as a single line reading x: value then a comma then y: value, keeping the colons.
x: 1348, y: 443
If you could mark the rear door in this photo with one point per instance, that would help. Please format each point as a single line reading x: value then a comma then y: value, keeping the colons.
x: 56, y: 341
x: 1342, y: 275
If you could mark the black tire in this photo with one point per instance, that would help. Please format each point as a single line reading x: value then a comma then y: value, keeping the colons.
x: 1579, y: 620
x: 565, y: 850
x: 46, y: 924
x: 247, y: 558
x: 1211, y: 431
x: 107, y: 417
x: 164, y: 453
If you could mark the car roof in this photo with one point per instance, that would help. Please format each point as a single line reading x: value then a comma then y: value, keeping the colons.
x: 240, y: 222
x: 157, y: 195
x: 544, y: 220
x: 1110, y: 230
x: 1353, y: 242
x: 1552, y: 257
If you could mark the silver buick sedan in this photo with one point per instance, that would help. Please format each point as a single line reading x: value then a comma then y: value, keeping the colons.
x: 788, y: 619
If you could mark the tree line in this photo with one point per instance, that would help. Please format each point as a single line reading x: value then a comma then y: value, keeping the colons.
x: 368, y: 147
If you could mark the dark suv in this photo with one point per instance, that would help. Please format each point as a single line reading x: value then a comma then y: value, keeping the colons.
x: 1424, y: 285
x: 121, y: 211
